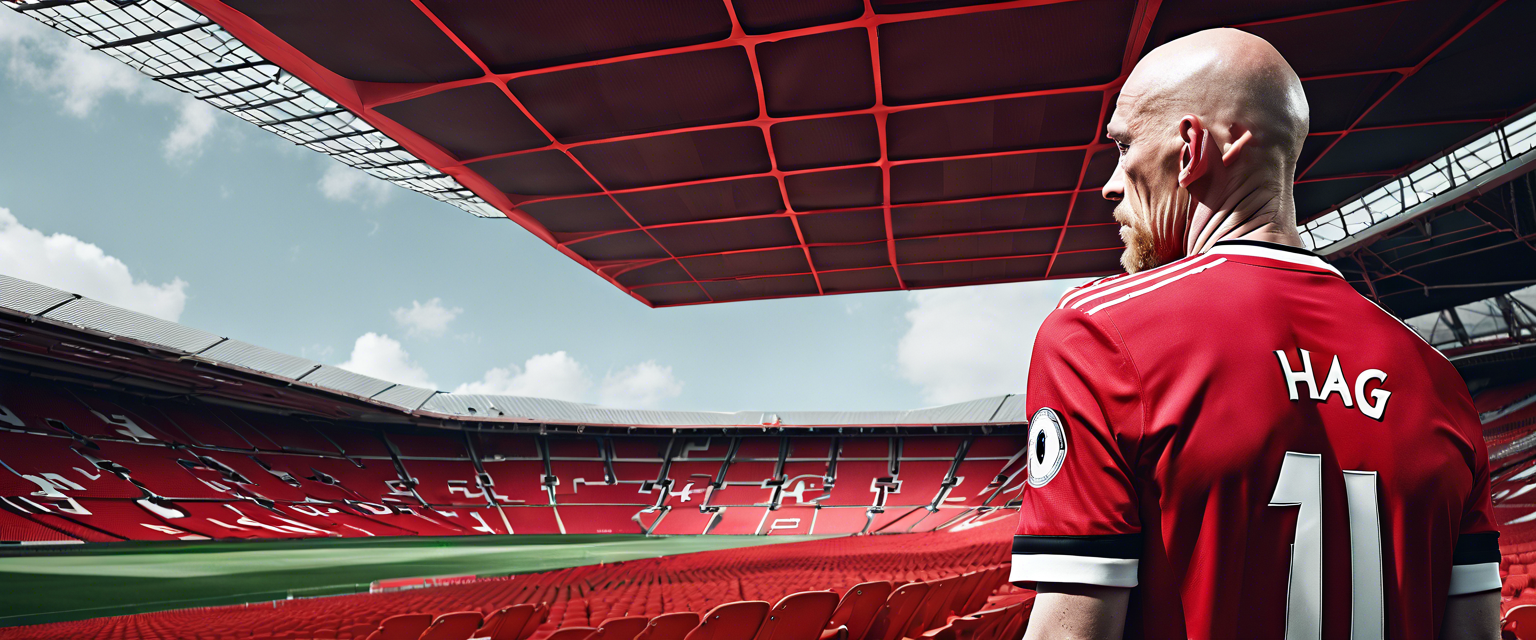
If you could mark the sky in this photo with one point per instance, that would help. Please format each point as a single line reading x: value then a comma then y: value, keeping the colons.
x: 123, y: 190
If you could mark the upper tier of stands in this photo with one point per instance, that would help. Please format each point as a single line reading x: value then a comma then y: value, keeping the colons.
x: 87, y: 465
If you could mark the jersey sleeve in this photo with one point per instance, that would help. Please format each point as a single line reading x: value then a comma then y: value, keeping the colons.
x: 1078, y: 518
x: 1475, y: 561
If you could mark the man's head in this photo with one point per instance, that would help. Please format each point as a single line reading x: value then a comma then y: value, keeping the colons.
x: 1209, y: 128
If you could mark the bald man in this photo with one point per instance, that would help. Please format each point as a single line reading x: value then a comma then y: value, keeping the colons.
x: 1228, y: 441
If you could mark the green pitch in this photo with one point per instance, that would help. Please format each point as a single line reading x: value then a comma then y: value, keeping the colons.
x: 75, y: 583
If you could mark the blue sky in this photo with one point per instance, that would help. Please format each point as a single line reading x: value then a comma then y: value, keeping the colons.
x: 123, y: 190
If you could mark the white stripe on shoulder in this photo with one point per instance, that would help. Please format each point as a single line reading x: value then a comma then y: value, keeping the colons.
x: 1146, y: 277
x: 1155, y: 287
x: 1110, y: 281
x: 1273, y: 254
x: 1085, y: 288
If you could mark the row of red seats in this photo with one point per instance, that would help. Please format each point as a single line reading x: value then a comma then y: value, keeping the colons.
x: 585, y: 596
x: 87, y: 465
x: 1514, y: 476
x: 954, y: 608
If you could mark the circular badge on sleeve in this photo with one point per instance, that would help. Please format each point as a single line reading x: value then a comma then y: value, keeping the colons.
x: 1047, y: 446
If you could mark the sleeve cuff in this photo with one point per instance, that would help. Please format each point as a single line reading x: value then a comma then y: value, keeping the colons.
x: 1106, y: 572
x: 1474, y: 578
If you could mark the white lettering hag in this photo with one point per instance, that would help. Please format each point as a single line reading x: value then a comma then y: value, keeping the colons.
x: 1335, y: 383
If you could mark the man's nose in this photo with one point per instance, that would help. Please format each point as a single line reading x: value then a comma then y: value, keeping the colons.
x: 1115, y: 188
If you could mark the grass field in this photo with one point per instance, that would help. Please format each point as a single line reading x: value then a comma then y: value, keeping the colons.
x: 87, y: 582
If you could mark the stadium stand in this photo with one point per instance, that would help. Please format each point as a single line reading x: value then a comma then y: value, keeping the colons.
x: 849, y: 577
x: 91, y: 465
x: 102, y: 464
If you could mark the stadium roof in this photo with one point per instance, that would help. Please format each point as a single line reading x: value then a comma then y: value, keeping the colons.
x: 1458, y: 228
x: 48, y: 332
x: 696, y: 151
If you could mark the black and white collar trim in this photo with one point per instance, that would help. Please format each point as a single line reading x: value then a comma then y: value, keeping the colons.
x: 1272, y: 251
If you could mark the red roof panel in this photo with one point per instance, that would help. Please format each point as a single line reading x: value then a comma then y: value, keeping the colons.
x: 694, y: 151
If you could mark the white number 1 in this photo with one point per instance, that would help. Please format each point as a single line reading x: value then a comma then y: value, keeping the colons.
x: 1301, y: 485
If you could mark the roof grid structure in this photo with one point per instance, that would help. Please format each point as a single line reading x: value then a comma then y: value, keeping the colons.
x: 697, y: 151
x: 1328, y: 233
x: 713, y: 150
x: 1472, y: 240
x: 180, y: 48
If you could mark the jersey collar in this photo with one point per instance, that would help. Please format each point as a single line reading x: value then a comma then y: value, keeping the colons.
x: 1292, y: 256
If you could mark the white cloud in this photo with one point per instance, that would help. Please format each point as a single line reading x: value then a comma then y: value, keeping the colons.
x: 194, y: 125
x: 69, y: 263
x: 640, y: 386
x: 556, y: 376
x: 56, y: 65
x: 382, y: 357
x: 342, y: 183
x: 551, y: 375
x: 971, y: 342
x: 430, y: 319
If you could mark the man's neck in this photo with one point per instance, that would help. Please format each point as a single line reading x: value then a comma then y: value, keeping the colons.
x: 1258, y: 213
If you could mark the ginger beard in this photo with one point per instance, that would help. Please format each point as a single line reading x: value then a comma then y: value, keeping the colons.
x: 1153, y: 232
x: 1139, y: 249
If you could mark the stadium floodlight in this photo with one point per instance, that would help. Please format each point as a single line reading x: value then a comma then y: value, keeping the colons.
x: 1474, y: 167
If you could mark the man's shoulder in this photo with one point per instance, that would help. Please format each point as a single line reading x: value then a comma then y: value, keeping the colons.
x: 1136, y: 290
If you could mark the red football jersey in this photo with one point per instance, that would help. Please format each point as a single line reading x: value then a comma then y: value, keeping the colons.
x: 1256, y: 448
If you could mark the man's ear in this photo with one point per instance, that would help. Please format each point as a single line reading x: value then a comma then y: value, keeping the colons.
x: 1244, y: 136
x: 1195, y: 156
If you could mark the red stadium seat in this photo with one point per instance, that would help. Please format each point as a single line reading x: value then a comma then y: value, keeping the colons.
x: 406, y: 626
x: 670, y: 626
x: 732, y: 621
x: 990, y: 580
x: 540, y: 614
x: 505, y: 623
x: 897, y: 613
x: 1522, y: 619
x: 1012, y: 628
x: 358, y: 631
x: 453, y: 626
x: 799, y: 616
x: 571, y: 633
x: 982, y: 624
x: 962, y: 594
x: 625, y: 628
x: 928, y: 615
x: 858, y: 607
